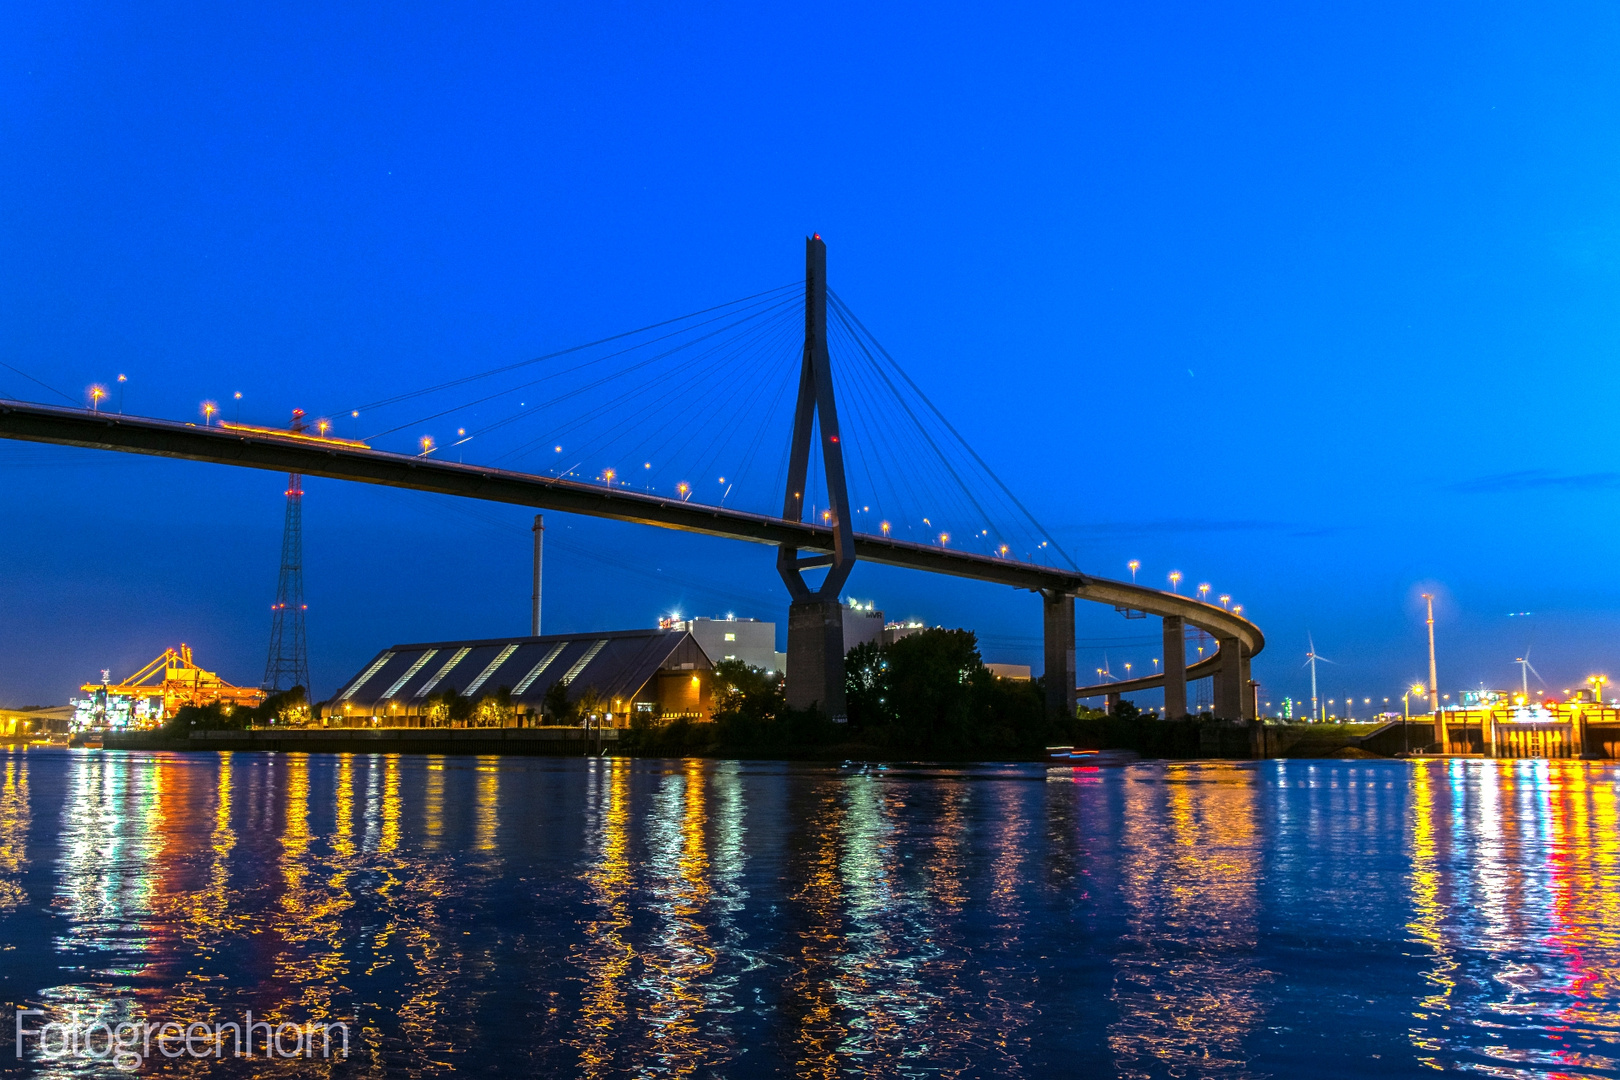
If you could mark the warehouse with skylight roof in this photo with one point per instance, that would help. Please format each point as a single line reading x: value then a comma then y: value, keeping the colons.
x: 662, y: 672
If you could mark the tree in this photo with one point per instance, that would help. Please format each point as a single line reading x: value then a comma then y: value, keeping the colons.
x: 866, y: 687
x: 746, y: 693
x: 929, y: 693
x: 448, y: 708
x: 211, y: 717
x: 556, y: 703
x: 928, y: 674
x: 1008, y: 714
x: 751, y: 714
x: 494, y: 710
x: 590, y: 703
x: 290, y: 708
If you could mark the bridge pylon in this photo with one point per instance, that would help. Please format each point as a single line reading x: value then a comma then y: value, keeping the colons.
x: 815, y: 652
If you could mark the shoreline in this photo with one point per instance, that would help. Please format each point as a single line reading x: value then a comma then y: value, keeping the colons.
x: 1202, y: 740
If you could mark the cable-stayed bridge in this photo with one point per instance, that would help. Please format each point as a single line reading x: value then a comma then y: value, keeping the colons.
x: 674, y: 424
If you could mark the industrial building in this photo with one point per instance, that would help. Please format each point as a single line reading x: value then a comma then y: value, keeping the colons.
x: 749, y: 640
x: 753, y: 641
x: 864, y: 625
x: 658, y: 672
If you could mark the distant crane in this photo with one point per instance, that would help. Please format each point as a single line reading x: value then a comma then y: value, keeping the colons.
x: 1525, y: 668
x: 1310, y: 661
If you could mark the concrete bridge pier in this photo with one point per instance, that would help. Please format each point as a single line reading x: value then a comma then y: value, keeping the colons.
x: 1232, y: 681
x: 1175, y: 667
x: 815, y: 656
x: 1057, y: 612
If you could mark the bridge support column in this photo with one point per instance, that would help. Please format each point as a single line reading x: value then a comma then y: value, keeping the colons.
x: 1175, y: 668
x: 1111, y: 704
x: 1229, y: 683
x: 815, y: 657
x: 1058, y: 621
x: 1250, y: 692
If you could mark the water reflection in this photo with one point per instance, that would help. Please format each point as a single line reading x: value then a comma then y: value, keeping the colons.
x: 1188, y: 989
x: 874, y: 975
x: 433, y: 804
x: 1514, y: 892
x: 15, y: 819
x: 488, y: 804
x: 815, y: 904
x: 605, y: 955
x: 693, y: 918
x: 678, y: 962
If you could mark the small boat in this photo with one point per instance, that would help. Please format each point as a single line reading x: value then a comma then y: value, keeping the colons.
x: 1068, y: 755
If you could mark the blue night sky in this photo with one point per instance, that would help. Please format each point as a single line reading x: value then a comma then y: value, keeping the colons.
x: 1315, y: 305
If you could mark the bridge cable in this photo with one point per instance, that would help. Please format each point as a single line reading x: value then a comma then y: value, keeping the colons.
x: 918, y: 454
x: 982, y: 512
x: 845, y: 311
x: 567, y: 371
x: 607, y: 406
x: 572, y: 349
x: 17, y: 371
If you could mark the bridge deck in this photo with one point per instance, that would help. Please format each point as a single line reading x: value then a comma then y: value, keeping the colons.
x: 340, y: 460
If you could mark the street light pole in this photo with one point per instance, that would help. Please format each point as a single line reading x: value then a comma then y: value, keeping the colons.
x: 1434, y: 680
x: 1406, y: 718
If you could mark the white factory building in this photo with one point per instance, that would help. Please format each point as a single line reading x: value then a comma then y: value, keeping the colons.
x: 753, y: 641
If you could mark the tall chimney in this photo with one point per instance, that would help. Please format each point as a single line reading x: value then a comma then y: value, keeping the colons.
x: 539, y: 547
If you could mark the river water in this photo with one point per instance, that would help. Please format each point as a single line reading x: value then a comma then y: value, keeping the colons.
x: 705, y: 918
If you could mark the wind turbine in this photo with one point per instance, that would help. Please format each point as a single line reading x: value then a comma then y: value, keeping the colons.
x: 1525, y: 668
x: 1310, y: 661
